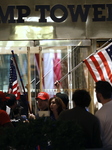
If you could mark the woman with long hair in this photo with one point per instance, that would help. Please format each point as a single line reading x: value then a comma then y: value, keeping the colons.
x: 56, y: 106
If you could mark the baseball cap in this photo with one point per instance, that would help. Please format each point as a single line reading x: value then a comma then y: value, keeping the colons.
x: 11, y: 99
x: 42, y: 96
x: 3, y: 97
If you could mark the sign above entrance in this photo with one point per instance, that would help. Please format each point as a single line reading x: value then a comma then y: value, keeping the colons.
x: 75, y: 11
x: 70, y: 19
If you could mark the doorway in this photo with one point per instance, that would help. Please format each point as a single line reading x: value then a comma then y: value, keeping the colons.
x: 59, y: 61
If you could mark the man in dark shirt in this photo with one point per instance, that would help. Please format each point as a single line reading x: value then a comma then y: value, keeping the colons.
x: 88, y: 122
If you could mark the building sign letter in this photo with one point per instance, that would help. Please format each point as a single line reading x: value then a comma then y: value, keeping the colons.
x: 97, y: 12
x: 109, y: 12
x: 4, y: 18
x: 58, y: 19
x: 42, y: 11
x: 21, y: 14
x: 79, y: 11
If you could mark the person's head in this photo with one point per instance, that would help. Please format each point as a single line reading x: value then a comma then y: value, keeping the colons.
x: 64, y: 98
x: 103, y: 90
x: 11, y: 102
x: 56, y: 104
x: 42, y: 100
x: 81, y: 98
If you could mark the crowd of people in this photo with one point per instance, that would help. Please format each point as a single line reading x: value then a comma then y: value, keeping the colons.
x: 97, y: 128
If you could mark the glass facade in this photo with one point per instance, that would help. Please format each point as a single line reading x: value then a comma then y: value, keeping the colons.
x: 57, y: 63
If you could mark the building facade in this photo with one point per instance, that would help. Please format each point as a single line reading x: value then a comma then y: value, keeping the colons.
x: 50, y: 40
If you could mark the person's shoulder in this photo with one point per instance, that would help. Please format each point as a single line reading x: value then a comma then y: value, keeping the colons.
x: 101, y: 114
x: 4, y: 115
x: 69, y: 111
x: 3, y: 112
x: 92, y: 116
x: 65, y: 113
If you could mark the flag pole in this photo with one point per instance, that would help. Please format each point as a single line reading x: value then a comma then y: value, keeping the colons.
x: 20, y: 77
x: 18, y: 71
x: 55, y: 65
x: 105, y: 44
x: 83, y: 61
x: 70, y: 71
x: 99, y: 48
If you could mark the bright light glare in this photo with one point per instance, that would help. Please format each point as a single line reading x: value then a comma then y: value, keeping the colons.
x: 36, y: 19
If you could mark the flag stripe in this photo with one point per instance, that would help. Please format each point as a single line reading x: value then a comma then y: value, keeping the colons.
x: 103, y: 74
x: 100, y: 64
x: 105, y: 62
x: 13, y: 83
x: 96, y: 63
x: 91, y: 70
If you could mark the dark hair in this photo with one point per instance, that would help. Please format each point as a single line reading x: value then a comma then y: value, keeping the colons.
x: 81, y: 98
x: 104, y: 88
x: 64, y: 98
x: 12, y: 100
x: 59, y: 102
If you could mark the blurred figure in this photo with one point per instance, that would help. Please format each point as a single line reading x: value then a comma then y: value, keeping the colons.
x: 104, y: 96
x: 56, y: 106
x: 4, y: 117
x: 12, y: 104
x: 15, y: 109
x: 88, y: 122
x: 63, y: 96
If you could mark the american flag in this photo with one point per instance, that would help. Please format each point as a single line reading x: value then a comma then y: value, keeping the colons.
x: 100, y: 64
x: 13, y: 82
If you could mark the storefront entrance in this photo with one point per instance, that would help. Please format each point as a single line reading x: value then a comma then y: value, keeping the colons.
x: 41, y: 63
